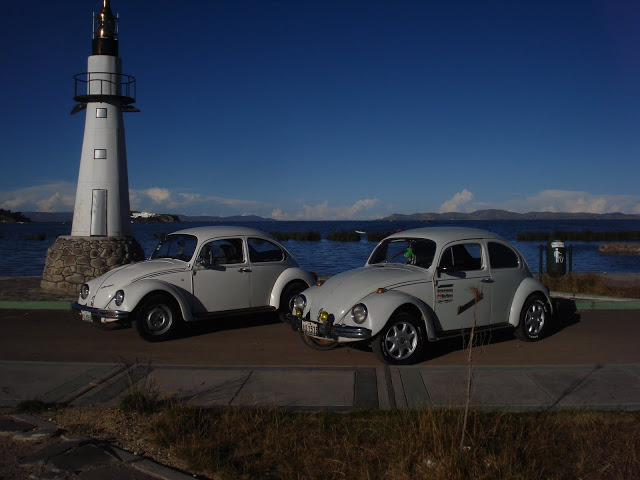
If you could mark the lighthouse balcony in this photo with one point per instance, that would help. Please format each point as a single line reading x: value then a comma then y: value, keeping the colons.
x: 104, y: 86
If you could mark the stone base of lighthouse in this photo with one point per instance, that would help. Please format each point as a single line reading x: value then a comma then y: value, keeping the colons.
x: 72, y: 261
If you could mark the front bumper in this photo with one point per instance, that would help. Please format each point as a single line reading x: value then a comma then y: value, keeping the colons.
x: 329, y: 330
x: 100, y: 314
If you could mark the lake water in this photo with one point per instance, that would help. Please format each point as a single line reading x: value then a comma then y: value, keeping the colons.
x: 22, y: 255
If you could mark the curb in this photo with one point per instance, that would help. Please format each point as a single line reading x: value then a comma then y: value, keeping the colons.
x: 597, y: 302
x: 35, y: 305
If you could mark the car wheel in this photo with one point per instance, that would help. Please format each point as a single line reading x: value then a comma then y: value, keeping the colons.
x: 533, y: 319
x: 401, y: 341
x: 317, y: 343
x: 158, y: 318
x: 286, y: 299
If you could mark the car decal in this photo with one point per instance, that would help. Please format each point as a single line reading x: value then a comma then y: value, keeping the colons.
x: 470, y: 303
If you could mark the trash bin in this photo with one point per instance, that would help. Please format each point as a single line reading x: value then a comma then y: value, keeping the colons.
x: 556, y: 258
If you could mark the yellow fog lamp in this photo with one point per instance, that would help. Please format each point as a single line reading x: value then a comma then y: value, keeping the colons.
x: 323, y: 316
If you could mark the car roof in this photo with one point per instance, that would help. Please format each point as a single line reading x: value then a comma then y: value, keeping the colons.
x: 447, y: 234
x: 223, y: 231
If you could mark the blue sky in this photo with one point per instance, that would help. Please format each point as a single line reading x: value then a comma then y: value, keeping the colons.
x: 336, y: 109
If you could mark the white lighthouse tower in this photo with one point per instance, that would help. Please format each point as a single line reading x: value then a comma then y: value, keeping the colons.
x: 100, y: 235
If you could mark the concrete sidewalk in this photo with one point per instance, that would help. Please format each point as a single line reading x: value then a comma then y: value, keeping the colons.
x: 514, y: 388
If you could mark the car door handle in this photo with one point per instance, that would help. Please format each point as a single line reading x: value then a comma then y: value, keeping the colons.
x: 245, y: 270
x: 487, y: 280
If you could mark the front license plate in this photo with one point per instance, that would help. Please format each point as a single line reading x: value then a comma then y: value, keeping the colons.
x: 309, y: 328
x: 86, y: 316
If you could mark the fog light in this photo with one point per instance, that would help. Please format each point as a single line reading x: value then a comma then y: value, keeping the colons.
x: 323, y: 316
x: 298, y: 312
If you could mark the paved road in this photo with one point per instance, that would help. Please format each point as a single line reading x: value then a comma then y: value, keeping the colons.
x: 589, y: 337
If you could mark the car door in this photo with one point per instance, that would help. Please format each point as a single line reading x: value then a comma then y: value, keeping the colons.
x: 267, y: 263
x: 463, y: 286
x: 507, y: 273
x: 222, y: 276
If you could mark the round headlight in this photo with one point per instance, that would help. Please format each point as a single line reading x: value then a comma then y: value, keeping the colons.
x: 299, y: 302
x: 359, y: 313
x: 119, y: 297
x: 84, y: 290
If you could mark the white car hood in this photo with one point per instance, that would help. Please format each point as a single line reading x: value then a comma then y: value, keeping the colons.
x: 343, y: 291
x: 133, y: 272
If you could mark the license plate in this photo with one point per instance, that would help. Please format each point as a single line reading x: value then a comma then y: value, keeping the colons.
x: 310, y: 328
x: 86, y: 316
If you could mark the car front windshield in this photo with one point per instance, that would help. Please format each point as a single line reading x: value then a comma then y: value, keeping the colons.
x: 176, y: 245
x: 412, y: 251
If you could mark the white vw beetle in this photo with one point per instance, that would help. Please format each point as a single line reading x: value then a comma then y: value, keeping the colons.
x: 195, y: 274
x: 425, y: 285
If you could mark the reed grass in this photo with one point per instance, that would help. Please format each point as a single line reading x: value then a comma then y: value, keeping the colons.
x: 344, y: 236
x: 588, y: 284
x: 582, y: 236
x: 310, y: 236
x: 234, y: 443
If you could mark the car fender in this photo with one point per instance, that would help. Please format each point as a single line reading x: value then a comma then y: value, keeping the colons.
x: 528, y: 286
x: 135, y: 292
x: 292, y: 274
x: 381, y: 307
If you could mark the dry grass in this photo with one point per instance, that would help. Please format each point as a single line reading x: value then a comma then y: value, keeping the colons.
x: 588, y: 284
x: 401, y: 444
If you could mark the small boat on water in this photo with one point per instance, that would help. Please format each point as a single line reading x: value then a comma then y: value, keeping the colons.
x: 361, y: 232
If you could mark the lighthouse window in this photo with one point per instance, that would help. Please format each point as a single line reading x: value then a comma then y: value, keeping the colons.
x: 100, y: 153
x: 101, y: 113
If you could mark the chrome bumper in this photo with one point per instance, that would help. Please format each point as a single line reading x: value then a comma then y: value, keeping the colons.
x: 98, y: 313
x: 331, y: 331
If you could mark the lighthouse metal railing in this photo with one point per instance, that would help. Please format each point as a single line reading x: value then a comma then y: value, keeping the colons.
x: 103, y: 84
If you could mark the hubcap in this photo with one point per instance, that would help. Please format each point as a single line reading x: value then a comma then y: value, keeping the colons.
x: 534, y: 320
x: 158, y: 319
x: 401, y: 340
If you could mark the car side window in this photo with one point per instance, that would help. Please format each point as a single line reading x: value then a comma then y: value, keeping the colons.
x: 501, y: 256
x: 462, y: 257
x: 222, y: 252
x: 261, y: 250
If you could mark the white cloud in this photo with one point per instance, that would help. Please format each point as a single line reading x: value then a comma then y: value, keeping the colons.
x: 55, y: 197
x: 573, y: 202
x: 456, y: 203
x: 323, y: 211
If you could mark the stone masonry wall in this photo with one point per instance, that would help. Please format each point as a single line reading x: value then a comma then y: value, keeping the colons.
x: 71, y: 261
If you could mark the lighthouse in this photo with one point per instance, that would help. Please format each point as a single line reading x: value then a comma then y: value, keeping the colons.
x: 100, y: 234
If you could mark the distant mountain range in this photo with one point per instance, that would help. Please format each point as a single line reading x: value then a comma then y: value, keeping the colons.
x: 505, y: 215
x: 61, y: 217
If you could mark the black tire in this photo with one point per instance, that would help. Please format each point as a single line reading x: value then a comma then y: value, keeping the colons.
x: 158, y: 318
x: 317, y: 343
x: 401, y: 341
x: 286, y: 299
x: 534, y: 319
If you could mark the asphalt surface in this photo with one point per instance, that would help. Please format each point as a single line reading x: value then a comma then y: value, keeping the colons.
x: 590, y: 359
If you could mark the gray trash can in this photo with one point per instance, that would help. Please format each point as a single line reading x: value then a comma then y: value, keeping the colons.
x: 556, y: 258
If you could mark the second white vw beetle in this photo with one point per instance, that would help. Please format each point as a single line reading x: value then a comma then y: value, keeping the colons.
x: 195, y: 274
x: 425, y: 285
